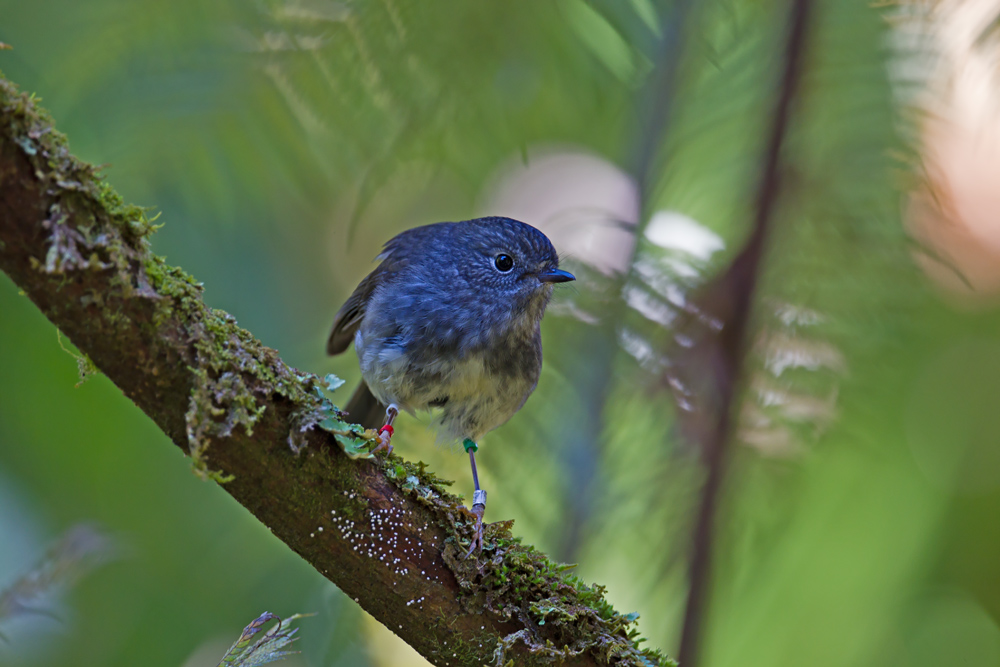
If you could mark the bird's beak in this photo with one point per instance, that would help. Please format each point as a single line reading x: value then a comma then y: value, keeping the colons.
x: 555, y: 276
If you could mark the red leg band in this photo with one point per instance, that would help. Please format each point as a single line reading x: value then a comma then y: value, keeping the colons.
x: 386, y: 429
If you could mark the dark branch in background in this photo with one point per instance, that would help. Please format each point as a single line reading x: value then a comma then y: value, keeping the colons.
x: 729, y: 299
x: 385, y: 531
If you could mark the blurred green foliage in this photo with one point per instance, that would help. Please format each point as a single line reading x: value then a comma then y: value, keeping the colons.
x: 249, y: 650
x: 285, y: 141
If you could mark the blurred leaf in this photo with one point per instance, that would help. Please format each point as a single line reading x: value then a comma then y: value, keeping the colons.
x: 331, y: 382
x: 249, y: 653
x: 80, y: 550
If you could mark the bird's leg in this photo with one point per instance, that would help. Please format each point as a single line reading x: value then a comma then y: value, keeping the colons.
x: 385, y: 433
x: 478, y: 501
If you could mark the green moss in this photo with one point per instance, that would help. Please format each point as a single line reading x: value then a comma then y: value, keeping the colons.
x: 518, y: 583
x: 460, y: 652
x: 106, y: 233
x: 230, y: 368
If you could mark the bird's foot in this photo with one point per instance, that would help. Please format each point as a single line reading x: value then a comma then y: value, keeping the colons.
x: 385, y: 433
x: 478, y: 510
x: 477, y: 531
x: 384, y: 440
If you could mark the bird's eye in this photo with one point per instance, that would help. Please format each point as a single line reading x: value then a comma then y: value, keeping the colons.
x: 504, y: 263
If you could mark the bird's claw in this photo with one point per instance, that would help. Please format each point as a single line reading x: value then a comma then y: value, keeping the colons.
x: 477, y: 530
x: 384, y: 440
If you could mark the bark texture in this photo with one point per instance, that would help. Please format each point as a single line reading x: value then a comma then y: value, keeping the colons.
x: 385, y: 531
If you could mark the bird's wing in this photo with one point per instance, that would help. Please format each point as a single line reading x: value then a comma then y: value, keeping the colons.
x: 349, y: 317
x: 394, y: 257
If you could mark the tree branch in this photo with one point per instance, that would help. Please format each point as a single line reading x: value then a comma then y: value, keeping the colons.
x: 383, y: 530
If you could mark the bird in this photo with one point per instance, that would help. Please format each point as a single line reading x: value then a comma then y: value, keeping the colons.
x: 450, y: 321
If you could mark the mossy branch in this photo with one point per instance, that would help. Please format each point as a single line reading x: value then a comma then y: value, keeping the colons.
x: 383, y: 530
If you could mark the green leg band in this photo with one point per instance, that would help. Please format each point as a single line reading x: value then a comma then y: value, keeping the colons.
x: 470, y: 446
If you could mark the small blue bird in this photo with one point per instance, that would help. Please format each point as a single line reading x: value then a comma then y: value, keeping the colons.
x: 450, y: 319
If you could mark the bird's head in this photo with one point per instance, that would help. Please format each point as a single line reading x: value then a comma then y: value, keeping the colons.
x: 508, y: 260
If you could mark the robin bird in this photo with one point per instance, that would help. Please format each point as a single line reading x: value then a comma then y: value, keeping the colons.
x: 450, y: 320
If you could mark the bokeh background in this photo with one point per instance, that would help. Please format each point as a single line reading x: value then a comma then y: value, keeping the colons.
x: 282, y: 141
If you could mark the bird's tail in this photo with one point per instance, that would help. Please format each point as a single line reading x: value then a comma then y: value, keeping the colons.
x: 364, y: 408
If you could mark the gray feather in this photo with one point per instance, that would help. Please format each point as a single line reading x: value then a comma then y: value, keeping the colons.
x: 349, y: 317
